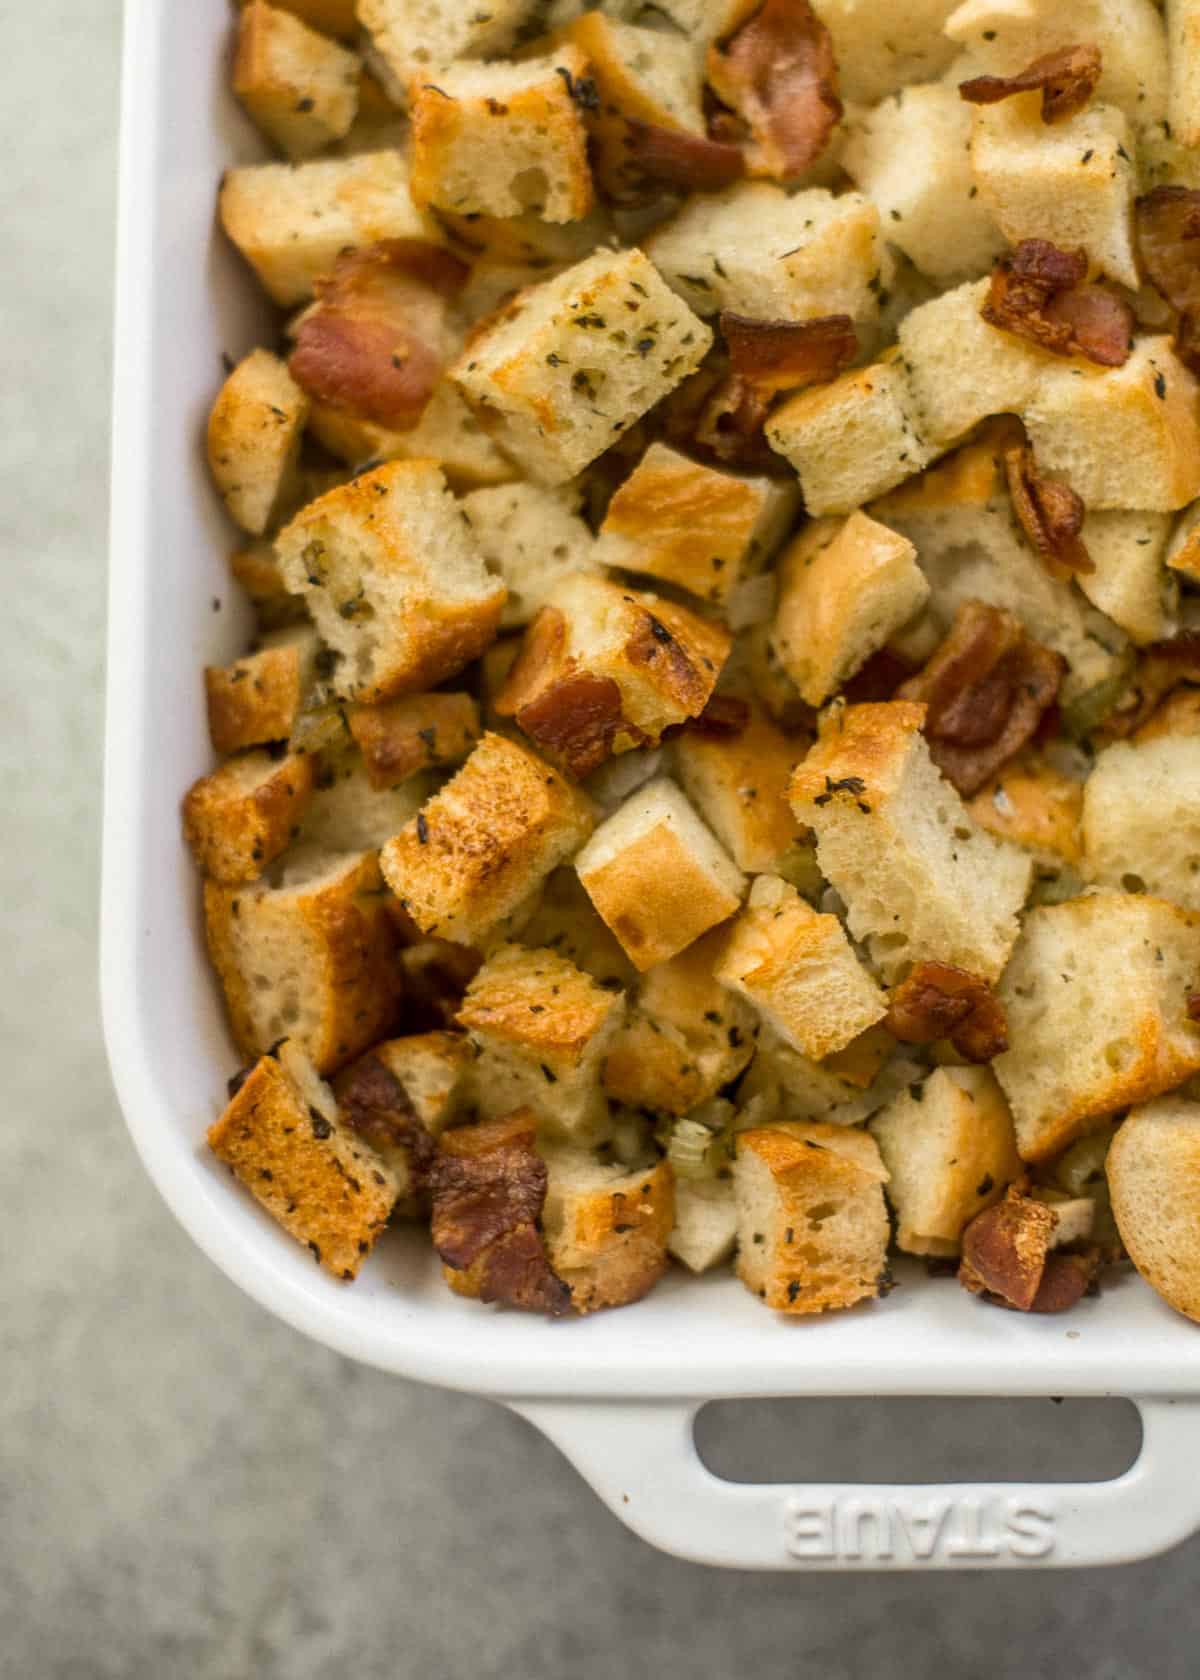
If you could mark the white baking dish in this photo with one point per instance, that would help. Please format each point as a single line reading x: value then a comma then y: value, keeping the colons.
x: 618, y: 1391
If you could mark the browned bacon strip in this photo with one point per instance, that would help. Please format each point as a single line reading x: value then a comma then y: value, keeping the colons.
x: 1067, y: 79
x: 1050, y: 513
x: 1167, y: 224
x: 1039, y: 293
x: 779, y: 75
x: 774, y: 356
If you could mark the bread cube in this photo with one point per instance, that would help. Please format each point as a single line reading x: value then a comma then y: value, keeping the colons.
x: 759, y: 251
x: 399, y: 1098
x: 503, y: 139
x: 331, y: 17
x: 348, y: 813
x: 844, y: 590
x: 291, y: 222
x: 799, y: 971
x: 694, y: 525
x: 705, y: 1228
x: 1130, y: 582
x: 572, y: 363
x: 881, y: 45
x: 1183, y: 546
x: 259, y: 698
x: 300, y: 87
x: 393, y: 579
x: 960, y: 369
x: 1071, y: 182
x: 1183, y: 82
x: 434, y: 1069
x: 1096, y: 999
x: 910, y: 155
x: 412, y: 38
x: 1153, y: 1177
x: 707, y: 21
x: 282, y: 1137
x: 812, y: 1222
x: 309, y: 955
x: 950, y: 1150
x: 447, y: 433
x: 657, y: 876
x: 604, y: 669
x: 738, y: 783
x: 422, y: 732
x: 1037, y: 808
x: 1003, y: 37
x: 1141, y: 818
x: 1177, y: 715
x: 541, y: 1029
x: 241, y: 816
x: 606, y: 1228
x: 852, y: 439
x: 685, y: 1038
x: 257, y: 570
x: 254, y: 434
x: 1126, y: 437
x: 843, y: 1090
x: 485, y: 842
x: 566, y: 922
x: 920, y: 881
x: 530, y: 537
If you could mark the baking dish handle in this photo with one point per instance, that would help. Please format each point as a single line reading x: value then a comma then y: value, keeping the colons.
x: 641, y: 1459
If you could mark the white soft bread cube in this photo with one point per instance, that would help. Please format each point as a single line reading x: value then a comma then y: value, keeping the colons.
x: 686, y: 1036
x: 812, y: 1222
x: 919, y: 879
x: 565, y: 921
x: 910, y: 155
x: 447, y: 433
x: 530, y: 537
x: 572, y: 363
x: 1141, y: 818
x: 394, y: 580
x: 485, y: 842
x: 1096, y: 999
x: 843, y: 1090
x: 695, y: 525
x: 300, y: 87
x: 1183, y: 84
x: 844, y: 590
x: 503, y: 140
x: 657, y: 875
x: 960, y: 369
x: 1071, y: 182
x: 255, y: 429
x: 799, y: 970
x: 260, y: 697
x: 291, y: 222
x: 738, y: 783
x: 1129, y: 581
x: 605, y: 1227
x: 1126, y: 437
x: 705, y: 1228
x: 309, y: 953
x: 950, y: 1149
x: 707, y: 21
x: 411, y: 39
x: 348, y: 813
x: 434, y: 1069
x: 757, y: 251
x: 1153, y: 1171
x: 854, y: 438
x: 240, y: 817
x: 1003, y: 37
x: 881, y: 45
x: 541, y: 1029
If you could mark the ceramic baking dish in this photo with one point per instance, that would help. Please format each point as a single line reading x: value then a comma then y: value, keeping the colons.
x: 618, y: 1391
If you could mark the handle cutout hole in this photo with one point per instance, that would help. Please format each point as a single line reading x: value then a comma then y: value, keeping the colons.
x: 918, y: 1441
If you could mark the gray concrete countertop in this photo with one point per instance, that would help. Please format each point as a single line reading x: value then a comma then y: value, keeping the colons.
x: 187, y: 1488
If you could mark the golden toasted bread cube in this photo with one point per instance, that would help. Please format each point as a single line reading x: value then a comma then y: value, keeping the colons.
x: 606, y: 1228
x: 1037, y: 808
x: 240, y: 817
x: 300, y: 87
x: 812, y: 1223
x: 485, y: 842
x: 447, y: 433
x: 393, y: 579
x: 260, y: 697
x: 1141, y: 818
x: 1129, y: 581
x: 412, y: 39
x: 331, y: 17
x: 705, y: 1228
x: 1153, y: 1178
x: 530, y: 537
x: 738, y: 782
x: 310, y: 957
x: 694, y: 525
x: 657, y: 876
x: 949, y: 1147
x: 1126, y: 437
x: 254, y: 435
x: 798, y: 969
x: 421, y: 732
x: 844, y: 591
x: 257, y: 570
x: 568, y: 365
x: 399, y: 1098
x: 1179, y: 714
x: 1096, y: 999
x: 282, y: 1137
x: 852, y: 439
x: 919, y: 879
x: 1183, y: 546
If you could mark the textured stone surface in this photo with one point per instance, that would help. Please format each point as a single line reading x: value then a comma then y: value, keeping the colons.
x: 187, y: 1489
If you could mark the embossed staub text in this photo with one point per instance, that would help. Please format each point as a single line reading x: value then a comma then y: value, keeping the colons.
x: 905, y: 1528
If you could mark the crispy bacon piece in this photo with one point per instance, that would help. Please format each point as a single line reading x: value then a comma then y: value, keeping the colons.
x: 937, y: 1000
x: 370, y: 345
x: 878, y: 679
x: 436, y: 974
x: 723, y: 717
x: 1066, y: 77
x: 373, y: 1102
x: 488, y: 1185
x: 571, y: 714
x: 1167, y: 225
x: 1039, y: 293
x: 674, y: 160
x: 1193, y: 1006
x: 985, y: 690
x: 1007, y: 1258
x: 1050, y: 513
x: 774, y: 356
x: 779, y: 75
